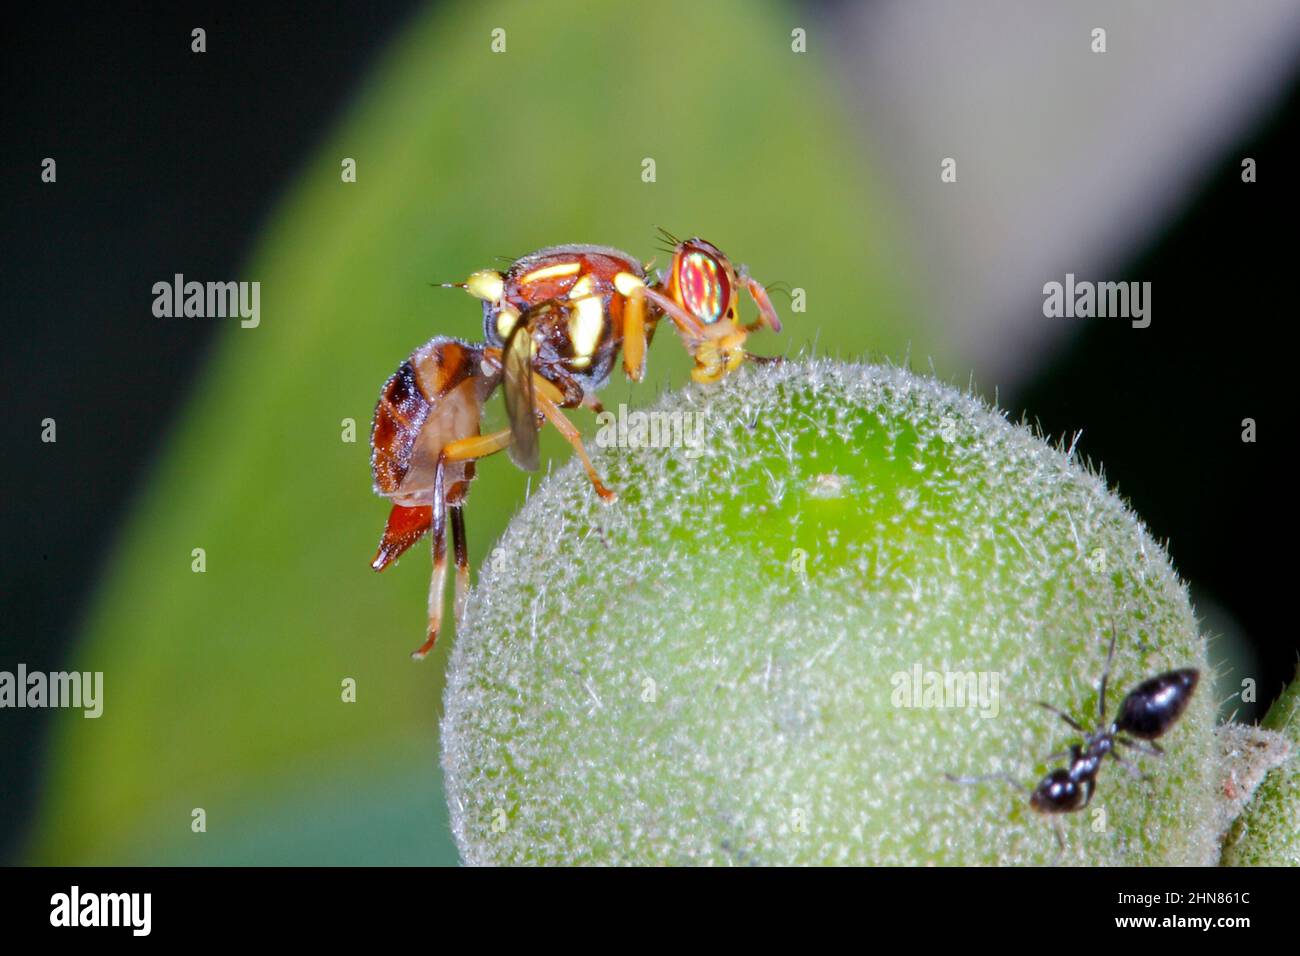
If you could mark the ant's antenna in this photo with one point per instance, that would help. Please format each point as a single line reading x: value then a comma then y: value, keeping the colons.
x: 1105, y: 675
x: 985, y: 778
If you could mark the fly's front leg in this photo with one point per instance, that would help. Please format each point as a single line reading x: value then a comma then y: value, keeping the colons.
x: 690, y: 328
x: 766, y: 311
x: 635, y: 336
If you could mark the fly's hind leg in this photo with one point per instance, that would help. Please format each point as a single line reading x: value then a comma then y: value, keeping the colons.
x: 438, y: 543
x: 460, y: 548
x: 466, y: 449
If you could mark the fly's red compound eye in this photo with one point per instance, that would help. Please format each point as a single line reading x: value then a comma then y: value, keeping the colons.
x: 703, y: 286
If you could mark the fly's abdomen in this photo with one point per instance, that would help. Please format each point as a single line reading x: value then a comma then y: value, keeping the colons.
x: 399, y: 416
x: 427, y: 403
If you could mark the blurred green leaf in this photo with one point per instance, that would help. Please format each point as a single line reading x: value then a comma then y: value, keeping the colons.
x: 222, y: 689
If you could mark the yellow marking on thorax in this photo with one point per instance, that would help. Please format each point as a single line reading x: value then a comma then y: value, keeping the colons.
x: 506, y: 320
x: 551, y: 272
x: 626, y: 283
x: 586, y: 321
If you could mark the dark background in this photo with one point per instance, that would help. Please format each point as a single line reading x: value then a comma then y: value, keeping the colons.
x: 153, y: 146
x: 153, y: 151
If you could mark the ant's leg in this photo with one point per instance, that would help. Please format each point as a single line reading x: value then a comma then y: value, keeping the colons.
x: 1062, y: 714
x: 590, y: 401
x: 763, y: 359
x: 1060, y: 841
x: 565, y: 428
x: 985, y: 778
x: 1105, y: 676
x: 766, y: 311
x: 634, y: 336
x: 1133, y: 771
x: 1155, y: 750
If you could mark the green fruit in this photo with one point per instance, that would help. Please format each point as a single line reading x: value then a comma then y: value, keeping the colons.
x: 716, y: 668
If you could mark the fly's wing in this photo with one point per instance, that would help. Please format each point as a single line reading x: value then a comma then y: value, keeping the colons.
x: 517, y: 375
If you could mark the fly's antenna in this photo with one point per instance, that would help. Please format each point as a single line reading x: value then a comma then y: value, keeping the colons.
x: 666, y: 242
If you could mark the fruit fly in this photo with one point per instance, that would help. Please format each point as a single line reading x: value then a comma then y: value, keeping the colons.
x: 554, y: 325
x: 1147, y: 712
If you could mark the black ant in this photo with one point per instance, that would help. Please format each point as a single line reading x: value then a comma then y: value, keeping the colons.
x: 1147, y: 712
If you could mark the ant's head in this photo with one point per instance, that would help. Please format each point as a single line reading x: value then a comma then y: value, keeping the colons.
x: 1057, y: 793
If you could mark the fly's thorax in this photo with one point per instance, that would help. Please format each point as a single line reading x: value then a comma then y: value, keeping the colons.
x: 572, y: 300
